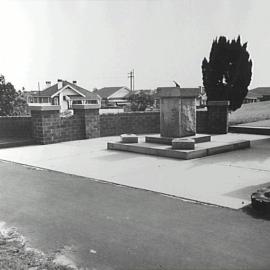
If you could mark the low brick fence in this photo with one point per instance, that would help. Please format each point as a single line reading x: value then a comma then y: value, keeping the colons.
x: 202, y: 121
x: 47, y: 126
x: 15, y: 126
x: 131, y: 122
x: 51, y: 128
x: 141, y: 123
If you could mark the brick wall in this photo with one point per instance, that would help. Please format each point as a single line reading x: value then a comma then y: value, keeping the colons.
x: 201, y: 121
x: 130, y: 122
x: 15, y: 126
x: 141, y: 123
x: 49, y: 127
x: 218, y: 120
x: 91, y: 121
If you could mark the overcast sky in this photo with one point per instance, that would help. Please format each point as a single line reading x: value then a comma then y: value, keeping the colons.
x: 98, y: 42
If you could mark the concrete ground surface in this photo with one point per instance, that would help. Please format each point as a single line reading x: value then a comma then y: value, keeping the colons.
x: 262, y: 123
x: 105, y: 226
x: 225, y: 179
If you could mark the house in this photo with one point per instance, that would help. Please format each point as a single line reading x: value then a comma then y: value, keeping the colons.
x: 250, y: 99
x: 113, y: 96
x: 63, y: 93
x: 257, y: 94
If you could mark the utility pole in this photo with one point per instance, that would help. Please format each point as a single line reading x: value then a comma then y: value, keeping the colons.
x: 131, y: 77
x: 39, y: 92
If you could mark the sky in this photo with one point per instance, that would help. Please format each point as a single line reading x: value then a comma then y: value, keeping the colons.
x: 97, y: 43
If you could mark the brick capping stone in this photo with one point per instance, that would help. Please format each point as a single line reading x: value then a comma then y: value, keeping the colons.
x: 218, y: 103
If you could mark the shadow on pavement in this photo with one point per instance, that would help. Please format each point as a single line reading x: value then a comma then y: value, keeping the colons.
x: 249, y: 210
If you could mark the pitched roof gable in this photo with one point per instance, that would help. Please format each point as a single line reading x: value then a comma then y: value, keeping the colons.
x: 108, y: 91
x: 50, y: 91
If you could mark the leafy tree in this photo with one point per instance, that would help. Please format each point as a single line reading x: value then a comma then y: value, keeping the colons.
x: 20, y: 106
x: 11, y: 102
x: 227, y: 74
x: 140, y: 100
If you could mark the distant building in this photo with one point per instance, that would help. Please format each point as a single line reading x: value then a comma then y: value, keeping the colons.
x: 62, y: 93
x: 113, y: 96
x: 257, y: 94
x: 250, y: 100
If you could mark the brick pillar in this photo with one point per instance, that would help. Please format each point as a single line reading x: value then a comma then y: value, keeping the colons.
x: 91, y: 119
x: 218, y: 117
x: 45, y: 123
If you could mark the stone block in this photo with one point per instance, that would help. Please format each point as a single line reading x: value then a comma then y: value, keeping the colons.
x: 177, y: 111
x: 129, y: 138
x: 183, y: 143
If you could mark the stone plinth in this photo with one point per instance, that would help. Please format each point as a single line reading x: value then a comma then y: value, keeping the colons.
x: 129, y: 138
x: 177, y: 111
x: 183, y: 143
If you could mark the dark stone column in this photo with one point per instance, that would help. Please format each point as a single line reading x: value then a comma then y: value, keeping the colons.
x: 45, y: 122
x: 91, y: 119
x: 218, y: 117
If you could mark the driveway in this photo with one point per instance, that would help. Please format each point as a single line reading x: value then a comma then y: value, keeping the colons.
x: 105, y: 226
x: 226, y: 179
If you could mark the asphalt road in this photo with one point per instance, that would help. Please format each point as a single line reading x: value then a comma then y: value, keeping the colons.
x: 104, y: 226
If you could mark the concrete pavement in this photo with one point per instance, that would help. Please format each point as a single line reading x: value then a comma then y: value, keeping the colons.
x: 104, y: 226
x: 226, y: 179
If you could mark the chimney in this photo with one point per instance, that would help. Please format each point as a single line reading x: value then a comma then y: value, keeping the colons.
x: 48, y: 84
x: 74, y: 82
x: 59, y: 84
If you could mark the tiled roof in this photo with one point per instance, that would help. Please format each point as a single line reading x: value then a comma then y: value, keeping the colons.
x: 107, y: 91
x: 50, y: 91
x: 259, y: 92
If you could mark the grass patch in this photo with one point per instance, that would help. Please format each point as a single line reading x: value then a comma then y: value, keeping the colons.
x: 251, y: 112
x: 14, y: 254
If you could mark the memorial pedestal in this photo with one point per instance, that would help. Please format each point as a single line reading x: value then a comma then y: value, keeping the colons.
x: 177, y: 111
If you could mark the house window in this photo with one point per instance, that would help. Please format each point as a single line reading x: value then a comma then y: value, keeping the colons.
x: 55, y: 101
x: 93, y: 101
x: 77, y: 102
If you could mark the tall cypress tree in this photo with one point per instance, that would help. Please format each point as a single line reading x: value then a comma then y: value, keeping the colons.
x: 227, y: 74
